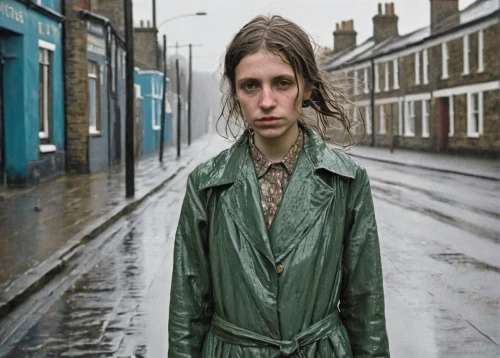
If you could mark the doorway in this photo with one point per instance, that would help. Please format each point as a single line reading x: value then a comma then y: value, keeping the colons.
x: 444, y: 124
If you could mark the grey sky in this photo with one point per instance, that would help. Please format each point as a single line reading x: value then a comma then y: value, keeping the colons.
x: 225, y: 17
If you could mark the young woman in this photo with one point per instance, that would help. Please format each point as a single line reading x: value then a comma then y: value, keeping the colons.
x: 277, y: 253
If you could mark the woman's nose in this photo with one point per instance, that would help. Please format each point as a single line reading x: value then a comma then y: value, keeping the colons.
x: 267, y: 98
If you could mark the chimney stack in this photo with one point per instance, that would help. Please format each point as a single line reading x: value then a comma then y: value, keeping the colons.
x: 441, y: 9
x: 344, y: 36
x: 385, y: 25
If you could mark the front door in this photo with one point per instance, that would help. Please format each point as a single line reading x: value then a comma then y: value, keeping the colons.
x: 444, y: 124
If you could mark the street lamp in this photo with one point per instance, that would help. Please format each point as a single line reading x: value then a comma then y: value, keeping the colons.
x: 199, y: 13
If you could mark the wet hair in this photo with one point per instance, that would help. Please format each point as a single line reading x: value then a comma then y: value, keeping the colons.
x: 280, y: 36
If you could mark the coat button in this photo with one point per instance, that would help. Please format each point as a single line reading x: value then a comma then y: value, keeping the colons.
x: 280, y: 268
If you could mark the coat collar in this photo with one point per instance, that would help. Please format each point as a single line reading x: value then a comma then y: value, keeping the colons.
x: 229, y: 166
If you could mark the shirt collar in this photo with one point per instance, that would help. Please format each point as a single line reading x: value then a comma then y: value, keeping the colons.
x: 262, y: 164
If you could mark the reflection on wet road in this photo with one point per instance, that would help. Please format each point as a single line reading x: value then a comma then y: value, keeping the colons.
x: 440, y: 248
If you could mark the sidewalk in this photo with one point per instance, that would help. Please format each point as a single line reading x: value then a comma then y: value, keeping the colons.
x: 475, y: 167
x: 36, y: 244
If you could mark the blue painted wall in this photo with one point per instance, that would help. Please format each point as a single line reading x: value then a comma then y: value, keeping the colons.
x: 51, y: 4
x: 24, y: 28
x: 151, y: 83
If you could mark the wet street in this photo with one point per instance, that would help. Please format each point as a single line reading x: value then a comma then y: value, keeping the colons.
x: 440, y: 238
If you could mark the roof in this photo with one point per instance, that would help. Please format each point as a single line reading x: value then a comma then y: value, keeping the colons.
x: 369, y: 49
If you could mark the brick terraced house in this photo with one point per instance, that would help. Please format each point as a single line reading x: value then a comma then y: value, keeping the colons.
x: 435, y: 89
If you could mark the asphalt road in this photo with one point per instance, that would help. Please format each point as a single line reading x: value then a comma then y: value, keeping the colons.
x: 440, y: 244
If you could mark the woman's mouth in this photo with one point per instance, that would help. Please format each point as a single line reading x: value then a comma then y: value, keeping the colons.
x: 268, y: 120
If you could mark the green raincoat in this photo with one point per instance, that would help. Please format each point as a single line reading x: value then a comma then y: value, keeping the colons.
x: 311, y: 286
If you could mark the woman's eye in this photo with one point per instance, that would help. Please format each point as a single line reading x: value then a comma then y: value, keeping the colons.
x: 249, y: 86
x: 284, y: 84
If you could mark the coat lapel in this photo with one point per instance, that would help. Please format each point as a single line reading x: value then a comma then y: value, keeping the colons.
x: 307, y: 196
x: 242, y: 198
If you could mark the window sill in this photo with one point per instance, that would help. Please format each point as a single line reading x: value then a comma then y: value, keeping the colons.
x: 480, y: 71
x: 425, y: 136
x: 409, y: 135
x: 156, y: 128
x: 445, y: 78
x: 47, y: 148
x: 473, y: 135
x: 94, y: 133
x: 465, y: 74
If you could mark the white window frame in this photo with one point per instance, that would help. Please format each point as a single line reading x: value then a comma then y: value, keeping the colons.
x: 368, y: 120
x: 377, y: 76
x: 417, y: 68
x: 113, y: 64
x: 425, y: 117
x: 409, y: 119
x: 471, y: 112
x: 93, y: 128
x: 451, y: 113
x: 365, y: 72
x: 425, y: 55
x: 386, y: 75
x: 401, y: 106
x: 48, y: 50
x: 395, y: 65
x: 356, y: 82
x: 156, y: 95
x: 444, y: 58
x: 480, y: 51
x: 466, y: 51
x: 382, y: 122
x: 124, y: 64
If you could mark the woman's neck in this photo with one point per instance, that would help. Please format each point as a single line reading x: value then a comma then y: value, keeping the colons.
x: 275, y: 149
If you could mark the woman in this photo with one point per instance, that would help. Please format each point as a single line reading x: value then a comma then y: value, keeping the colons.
x: 277, y: 253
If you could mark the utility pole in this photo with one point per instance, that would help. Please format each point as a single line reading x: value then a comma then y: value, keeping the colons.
x: 190, y: 85
x: 130, y: 102
x: 178, y: 107
x: 164, y: 98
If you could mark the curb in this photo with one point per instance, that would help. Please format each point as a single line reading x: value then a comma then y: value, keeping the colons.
x: 449, y: 171
x: 36, y: 278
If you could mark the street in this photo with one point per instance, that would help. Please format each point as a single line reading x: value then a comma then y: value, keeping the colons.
x: 440, y: 239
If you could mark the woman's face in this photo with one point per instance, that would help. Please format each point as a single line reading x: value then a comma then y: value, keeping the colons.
x: 267, y: 92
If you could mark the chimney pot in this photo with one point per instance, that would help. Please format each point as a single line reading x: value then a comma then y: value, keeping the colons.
x: 352, y: 25
x: 337, y: 27
x: 149, y: 24
x: 380, y: 8
x: 142, y: 23
x: 386, y: 9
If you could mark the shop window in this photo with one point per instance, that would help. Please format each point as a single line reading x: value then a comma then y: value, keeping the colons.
x: 425, y: 117
x: 94, y: 106
x: 410, y: 119
x: 45, y: 94
x: 475, y: 114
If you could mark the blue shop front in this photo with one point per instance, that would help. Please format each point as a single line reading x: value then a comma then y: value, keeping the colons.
x: 31, y: 92
x: 150, y: 86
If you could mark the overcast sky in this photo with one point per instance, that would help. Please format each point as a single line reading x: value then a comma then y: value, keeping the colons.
x: 225, y: 17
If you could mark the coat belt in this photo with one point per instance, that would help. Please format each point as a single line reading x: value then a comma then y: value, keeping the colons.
x: 229, y: 333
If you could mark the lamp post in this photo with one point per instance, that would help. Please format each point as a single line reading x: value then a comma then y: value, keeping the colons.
x: 130, y: 103
x: 199, y: 13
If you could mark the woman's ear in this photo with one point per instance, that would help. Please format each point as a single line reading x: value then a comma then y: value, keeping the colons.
x: 307, y: 92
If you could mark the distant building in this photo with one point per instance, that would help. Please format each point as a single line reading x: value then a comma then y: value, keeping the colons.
x: 435, y: 89
x: 150, y: 85
x: 31, y: 92
x: 94, y: 90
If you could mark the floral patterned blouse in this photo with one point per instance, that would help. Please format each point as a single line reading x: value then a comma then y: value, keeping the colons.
x: 274, y: 177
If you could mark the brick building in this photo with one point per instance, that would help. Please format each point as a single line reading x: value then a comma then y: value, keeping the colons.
x: 435, y: 89
x: 94, y: 89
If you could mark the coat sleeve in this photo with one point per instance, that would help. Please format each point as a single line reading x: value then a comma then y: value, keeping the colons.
x: 190, y: 296
x: 362, y: 297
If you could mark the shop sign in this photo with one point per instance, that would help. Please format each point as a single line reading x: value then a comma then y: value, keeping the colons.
x: 11, y: 13
x: 96, y: 42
